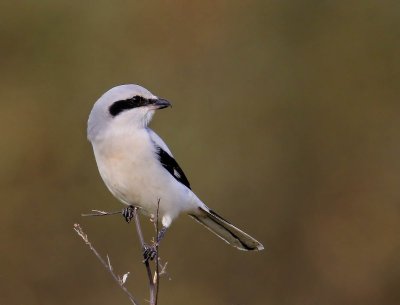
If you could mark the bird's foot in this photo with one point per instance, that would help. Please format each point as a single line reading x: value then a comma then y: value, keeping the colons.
x: 128, y: 213
x: 149, y: 252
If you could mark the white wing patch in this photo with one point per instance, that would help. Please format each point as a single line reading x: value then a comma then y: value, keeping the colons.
x: 176, y: 174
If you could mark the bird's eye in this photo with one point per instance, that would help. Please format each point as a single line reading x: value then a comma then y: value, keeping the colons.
x: 138, y: 100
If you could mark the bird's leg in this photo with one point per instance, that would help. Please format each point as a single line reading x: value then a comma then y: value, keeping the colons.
x: 161, y: 234
x: 128, y: 213
x: 150, y: 251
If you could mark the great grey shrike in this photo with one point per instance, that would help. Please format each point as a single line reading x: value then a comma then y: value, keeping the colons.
x: 139, y: 169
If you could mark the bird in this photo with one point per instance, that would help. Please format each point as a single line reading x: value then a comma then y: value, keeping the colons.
x: 140, y: 170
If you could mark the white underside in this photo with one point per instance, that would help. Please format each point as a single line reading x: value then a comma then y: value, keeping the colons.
x: 129, y: 166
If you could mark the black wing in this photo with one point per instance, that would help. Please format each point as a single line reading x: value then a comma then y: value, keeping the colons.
x: 172, y: 167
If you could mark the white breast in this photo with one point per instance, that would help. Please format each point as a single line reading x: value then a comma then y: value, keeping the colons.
x: 132, y: 172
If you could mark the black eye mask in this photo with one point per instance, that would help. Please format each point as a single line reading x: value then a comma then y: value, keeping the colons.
x: 122, y: 105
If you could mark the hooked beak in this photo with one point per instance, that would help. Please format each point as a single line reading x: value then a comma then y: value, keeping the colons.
x: 161, y: 103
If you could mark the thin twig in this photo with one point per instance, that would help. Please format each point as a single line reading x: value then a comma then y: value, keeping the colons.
x: 101, y: 213
x: 146, y: 262
x: 107, y: 264
x: 164, y: 270
x: 153, y: 282
x: 157, y: 273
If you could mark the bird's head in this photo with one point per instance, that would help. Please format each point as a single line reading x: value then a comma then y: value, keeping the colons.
x: 122, y: 107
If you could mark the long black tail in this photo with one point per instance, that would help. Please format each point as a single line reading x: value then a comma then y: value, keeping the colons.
x: 226, y: 231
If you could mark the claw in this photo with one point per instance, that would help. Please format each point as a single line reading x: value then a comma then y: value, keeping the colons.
x: 128, y: 213
x: 149, y: 252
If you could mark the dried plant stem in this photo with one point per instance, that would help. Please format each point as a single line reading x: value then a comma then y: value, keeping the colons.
x: 157, y: 273
x: 153, y: 280
x: 146, y: 262
x: 107, y: 264
x: 101, y: 213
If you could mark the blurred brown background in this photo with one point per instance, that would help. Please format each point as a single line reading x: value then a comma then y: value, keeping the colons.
x: 285, y: 119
